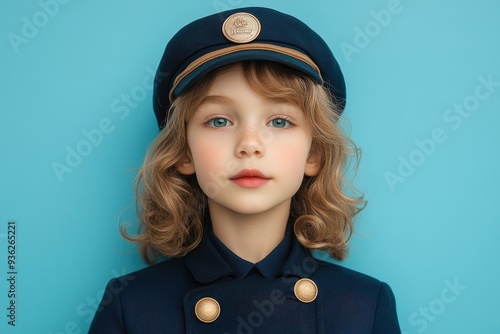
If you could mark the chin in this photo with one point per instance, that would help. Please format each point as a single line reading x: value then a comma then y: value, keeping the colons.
x: 249, y: 209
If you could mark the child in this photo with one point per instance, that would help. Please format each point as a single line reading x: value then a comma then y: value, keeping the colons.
x: 246, y: 176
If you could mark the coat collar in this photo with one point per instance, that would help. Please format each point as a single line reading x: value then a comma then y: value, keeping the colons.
x: 268, y: 267
x: 207, y: 264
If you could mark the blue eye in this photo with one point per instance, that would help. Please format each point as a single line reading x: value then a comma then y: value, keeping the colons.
x: 218, y: 122
x: 279, y: 123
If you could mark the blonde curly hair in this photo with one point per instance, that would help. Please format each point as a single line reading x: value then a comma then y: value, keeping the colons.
x: 171, y: 206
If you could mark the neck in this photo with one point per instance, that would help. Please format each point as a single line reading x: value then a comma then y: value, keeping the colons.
x: 250, y: 236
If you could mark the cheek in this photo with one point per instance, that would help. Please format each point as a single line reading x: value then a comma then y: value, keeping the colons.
x: 208, y: 158
x: 292, y: 152
x: 292, y: 157
x: 200, y: 149
x: 205, y: 156
x: 210, y: 163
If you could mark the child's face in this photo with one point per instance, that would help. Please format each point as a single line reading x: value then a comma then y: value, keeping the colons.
x: 235, y: 129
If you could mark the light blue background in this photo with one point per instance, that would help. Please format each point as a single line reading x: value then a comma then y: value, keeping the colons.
x: 440, y: 226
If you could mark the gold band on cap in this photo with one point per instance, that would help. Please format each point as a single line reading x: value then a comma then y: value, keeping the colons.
x: 243, y: 47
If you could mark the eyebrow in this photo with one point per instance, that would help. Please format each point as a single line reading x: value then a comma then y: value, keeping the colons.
x: 284, y: 101
x: 225, y: 100
x: 279, y: 100
x: 216, y: 99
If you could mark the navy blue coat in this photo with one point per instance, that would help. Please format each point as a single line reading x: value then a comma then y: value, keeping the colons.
x: 253, y: 298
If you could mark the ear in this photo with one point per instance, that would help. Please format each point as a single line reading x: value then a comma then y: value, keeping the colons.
x: 313, y: 163
x: 186, y: 167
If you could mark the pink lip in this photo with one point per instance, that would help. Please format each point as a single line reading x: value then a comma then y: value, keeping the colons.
x: 245, y: 173
x: 250, y: 178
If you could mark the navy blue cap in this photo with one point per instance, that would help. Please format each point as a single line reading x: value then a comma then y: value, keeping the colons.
x: 252, y: 33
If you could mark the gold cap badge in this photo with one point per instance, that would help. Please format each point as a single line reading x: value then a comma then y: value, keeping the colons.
x: 241, y: 28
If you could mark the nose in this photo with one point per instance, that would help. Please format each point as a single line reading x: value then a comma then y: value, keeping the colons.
x: 249, y: 143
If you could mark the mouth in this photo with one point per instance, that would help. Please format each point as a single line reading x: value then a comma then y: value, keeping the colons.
x: 250, y: 178
x: 249, y: 173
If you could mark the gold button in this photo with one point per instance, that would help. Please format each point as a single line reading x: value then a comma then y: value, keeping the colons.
x: 305, y: 290
x: 207, y: 310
